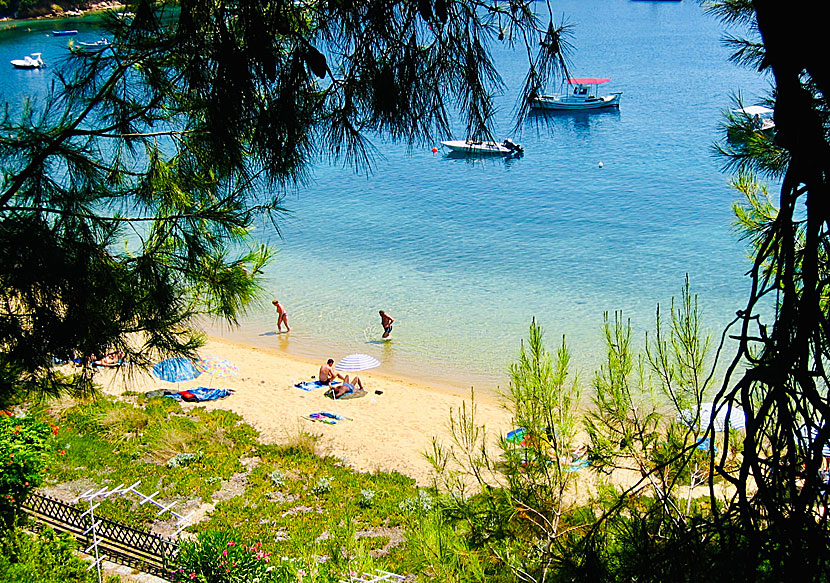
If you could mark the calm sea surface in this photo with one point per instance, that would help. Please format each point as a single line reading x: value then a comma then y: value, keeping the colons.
x: 464, y: 253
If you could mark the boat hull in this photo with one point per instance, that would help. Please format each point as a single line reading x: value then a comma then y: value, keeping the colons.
x: 91, y: 45
x: 480, y: 148
x: 18, y: 64
x: 555, y: 102
x: 28, y: 62
x: 64, y: 32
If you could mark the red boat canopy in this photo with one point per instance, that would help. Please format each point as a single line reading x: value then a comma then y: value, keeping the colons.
x: 587, y: 81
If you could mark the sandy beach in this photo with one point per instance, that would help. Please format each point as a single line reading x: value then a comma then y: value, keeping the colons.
x: 385, y: 432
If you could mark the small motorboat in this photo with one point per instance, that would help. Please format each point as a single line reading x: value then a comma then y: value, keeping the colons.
x: 98, y: 43
x: 759, y: 116
x: 32, y: 61
x: 583, y: 95
x: 506, y: 148
x: 64, y: 32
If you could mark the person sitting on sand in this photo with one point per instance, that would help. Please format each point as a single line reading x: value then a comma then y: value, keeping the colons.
x: 327, y: 373
x: 348, y: 386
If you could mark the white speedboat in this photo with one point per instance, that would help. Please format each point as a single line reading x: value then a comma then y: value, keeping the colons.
x: 98, y: 43
x: 32, y: 61
x: 506, y: 148
x: 581, y: 94
x: 760, y: 117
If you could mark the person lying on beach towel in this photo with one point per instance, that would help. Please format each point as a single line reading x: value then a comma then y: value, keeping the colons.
x: 350, y: 389
x: 113, y: 359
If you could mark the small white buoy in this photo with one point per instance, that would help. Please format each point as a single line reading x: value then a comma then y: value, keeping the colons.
x: 600, y: 164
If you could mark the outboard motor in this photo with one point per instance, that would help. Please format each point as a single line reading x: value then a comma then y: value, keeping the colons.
x: 512, y: 146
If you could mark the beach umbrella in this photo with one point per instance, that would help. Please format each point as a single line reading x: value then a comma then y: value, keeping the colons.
x: 357, y: 362
x: 810, y: 434
x: 176, y: 370
x: 736, y: 418
x: 215, y: 366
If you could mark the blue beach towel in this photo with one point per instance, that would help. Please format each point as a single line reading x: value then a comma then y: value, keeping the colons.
x: 327, y: 418
x: 577, y: 465
x: 201, y: 394
x: 311, y: 385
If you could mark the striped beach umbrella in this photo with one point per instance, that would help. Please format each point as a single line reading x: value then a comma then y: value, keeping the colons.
x: 357, y: 362
x: 220, y: 367
x: 176, y: 370
x: 809, y: 435
x: 723, y: 417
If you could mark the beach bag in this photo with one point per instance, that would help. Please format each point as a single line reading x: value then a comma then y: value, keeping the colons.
x: 188, y: 396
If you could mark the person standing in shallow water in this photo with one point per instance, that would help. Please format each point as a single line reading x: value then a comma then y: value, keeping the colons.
x: 282, y: 317
x: 386, y: 321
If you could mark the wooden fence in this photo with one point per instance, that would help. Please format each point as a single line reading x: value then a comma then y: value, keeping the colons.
x: 140, y: 549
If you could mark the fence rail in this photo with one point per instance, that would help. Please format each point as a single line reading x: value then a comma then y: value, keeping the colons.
x: 140, y: 549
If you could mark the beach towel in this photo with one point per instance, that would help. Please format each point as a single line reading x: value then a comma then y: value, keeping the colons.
x: 576, y: 465
x: 158, y: 393
x: 200, y: 394
x: 326, y: 417
x: 311, y: 385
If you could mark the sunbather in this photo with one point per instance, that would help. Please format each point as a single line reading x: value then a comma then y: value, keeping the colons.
x: 327, y: 374
x: 111, y: 359
x: 348, y: 386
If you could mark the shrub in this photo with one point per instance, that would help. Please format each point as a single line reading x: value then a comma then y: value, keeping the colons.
x: 181, y: 460
x: 45, y: 558
x: 278, y: 478
x: 367, y: 498
x: 423, y: 503
x: 218, y: 556
x: 323, y: 486
x: 23, y: 445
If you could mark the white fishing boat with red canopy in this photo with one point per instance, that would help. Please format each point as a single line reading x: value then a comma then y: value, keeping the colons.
x: 581, y: 94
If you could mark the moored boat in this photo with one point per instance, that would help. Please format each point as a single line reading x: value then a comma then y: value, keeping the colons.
x: 760, y: 117
x: 32, y: 61
x: 506, y: 148
x: 581, y: 94
x: 64, y: 32
x: 98, y: 43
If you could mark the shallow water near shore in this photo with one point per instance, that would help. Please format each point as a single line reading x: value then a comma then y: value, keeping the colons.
x: 463, y: 253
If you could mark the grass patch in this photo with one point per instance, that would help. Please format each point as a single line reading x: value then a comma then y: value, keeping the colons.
x: 299, y: 506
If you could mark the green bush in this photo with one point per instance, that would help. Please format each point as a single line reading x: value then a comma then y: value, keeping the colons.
x: 45, y: 558
x: 218, y: 556
x: 23, y: 446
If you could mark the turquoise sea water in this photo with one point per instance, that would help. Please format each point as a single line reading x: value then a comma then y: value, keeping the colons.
x: 463, y: 253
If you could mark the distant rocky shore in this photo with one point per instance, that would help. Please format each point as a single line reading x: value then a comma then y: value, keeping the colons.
x: 49, y: 9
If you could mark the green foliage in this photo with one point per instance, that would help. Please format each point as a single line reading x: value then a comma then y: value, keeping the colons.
x: 360, y: 515
x: 221, y: 557
x: 623, y: 423
x: 510, y: 509
x: 443, y: 552
x: 522, y: 516
x: 23, y: 448
x: 107, y: 437
x: 47, y: 557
